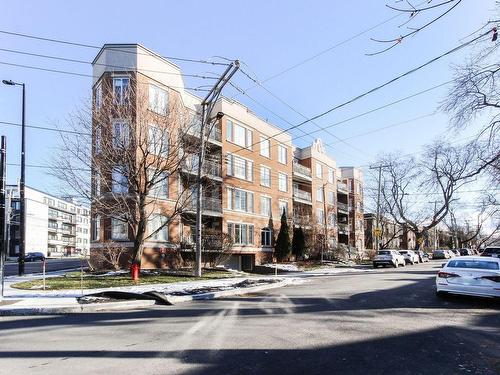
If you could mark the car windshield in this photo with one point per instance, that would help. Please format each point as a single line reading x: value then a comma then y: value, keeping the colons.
x: 472, y: 263
x: 492, y: 250
x: 384, y: 253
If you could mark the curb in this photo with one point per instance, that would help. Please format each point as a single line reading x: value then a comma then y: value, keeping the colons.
x: 135, y: 304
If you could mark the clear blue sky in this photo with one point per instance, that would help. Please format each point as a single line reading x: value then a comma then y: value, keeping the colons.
x: 268, y: 36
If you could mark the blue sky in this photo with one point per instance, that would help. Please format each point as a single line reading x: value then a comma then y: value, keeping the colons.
x: 268, y: 37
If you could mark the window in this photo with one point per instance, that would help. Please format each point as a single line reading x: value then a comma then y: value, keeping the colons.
x: 156, y: 222
x: 119, y: 183
x: 97, y: 140
x: 358, y: 188
x: 85, y: 231
x: 121, y: 133
x: 160, y: 185
x: 473, y: 264
x: 265, y: 206
x: 331, y: 197
x: 239, y: 200
x: 282, y: 182
x: 158, y: 141
x: 96, y: 228
x: 238, y: 134
x: 319, y: 194
x: 332, y: 220
x: 242, y: 234
x: 283, y: 207
x: 52, y: 212
x: 319, y: 170
x: 119, y: 229
x: 98, y: 96
x: 282, y: 156
x: 266, y: 237
x: 52, y: 224
x: 239, y: 167
x: 120, y: 90
x: 320, y: 216
x: 158, y: 100
x: 265, y: 147
x: 331, y: 175
x: 265, y: 176
x: 62, y: 205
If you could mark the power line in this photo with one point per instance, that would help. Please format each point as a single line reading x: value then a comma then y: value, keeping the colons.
x: 46, y: 128
x: 60, y: 41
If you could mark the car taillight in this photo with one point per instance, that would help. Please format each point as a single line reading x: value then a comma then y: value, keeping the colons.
x: 447, y: 275
x: 492, y: 278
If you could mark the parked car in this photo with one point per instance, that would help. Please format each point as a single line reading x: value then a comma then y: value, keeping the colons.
x: 456, y: 252
x: 440, y: 254
x: 464, y: 252
x: 410, y: 256
x: 491, y: 251
x: 451, y: 253
x: 34, y: 256
x: 470, y: 275
x: 388, y: 258
x: 422, y: 256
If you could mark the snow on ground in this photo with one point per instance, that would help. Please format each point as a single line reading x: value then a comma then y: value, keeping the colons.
x: 282, y: 267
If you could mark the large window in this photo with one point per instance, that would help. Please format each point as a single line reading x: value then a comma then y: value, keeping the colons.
x: 238, y: 134
x: 158, y: 141
x: 121, y: 133
x: 319, y: 194
x: 120, y: 90
x: 320, y: 216
x: 98, y: 96
x: 239, y: 200
x: 265, y: 147
x: 158, y: 100
x: 331, y: 197
x: 331, y: 175
x: 265, y: 206
x: 242, y: 234
x: 282, y: 182
x: 239, y: 167
x: 319, y: 170
x: 160, y: 184
x: 158, y: 227
x: 282, y: 156
x: 283, y: 207
x: 119, y: 229
x: 97, y: 139
x: 265, y: 176
x: 266, y: 235
x: 119, y: 183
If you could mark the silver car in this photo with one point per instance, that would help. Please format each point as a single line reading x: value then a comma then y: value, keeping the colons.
x: 388, y: 258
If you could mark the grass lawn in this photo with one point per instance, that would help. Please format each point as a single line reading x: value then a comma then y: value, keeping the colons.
x: 72, y: 280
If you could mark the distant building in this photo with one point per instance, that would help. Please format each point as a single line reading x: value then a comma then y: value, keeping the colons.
x: 54, y: 226
x: 353, y: 178
x: 391, y: 232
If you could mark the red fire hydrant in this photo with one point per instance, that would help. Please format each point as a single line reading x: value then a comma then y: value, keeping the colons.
x: 134, y: 271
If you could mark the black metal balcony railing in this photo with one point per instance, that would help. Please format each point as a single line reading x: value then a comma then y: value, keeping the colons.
x: 342, y: 186
x: 210, y: 167
x: 301, y: 169
x: 208, y: 204
x: 342, y: 207
x: 343, y: 227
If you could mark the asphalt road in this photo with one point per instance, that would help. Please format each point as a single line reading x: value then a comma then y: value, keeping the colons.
x: 386, y: 321
x: 51, y: 265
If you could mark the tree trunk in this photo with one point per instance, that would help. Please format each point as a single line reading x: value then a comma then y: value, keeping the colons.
x: 419, y: 239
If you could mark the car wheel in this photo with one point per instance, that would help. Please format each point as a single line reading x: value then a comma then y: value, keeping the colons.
x: 396, y: 265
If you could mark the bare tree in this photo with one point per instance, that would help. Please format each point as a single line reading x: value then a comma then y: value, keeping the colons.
x: 125, y: 155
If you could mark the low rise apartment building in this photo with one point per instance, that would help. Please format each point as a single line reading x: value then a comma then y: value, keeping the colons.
x: 54, y: 226
x: 253, y: 171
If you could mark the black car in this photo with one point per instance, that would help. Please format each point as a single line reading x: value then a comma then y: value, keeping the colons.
x: 464, y: 252
x: 491, y: 252
x: 34, y: 256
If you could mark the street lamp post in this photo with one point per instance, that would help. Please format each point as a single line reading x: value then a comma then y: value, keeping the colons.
x: 22, y: 208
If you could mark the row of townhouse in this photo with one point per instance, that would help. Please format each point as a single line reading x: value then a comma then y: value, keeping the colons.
x: 54, y: 226
x: 253, y: 171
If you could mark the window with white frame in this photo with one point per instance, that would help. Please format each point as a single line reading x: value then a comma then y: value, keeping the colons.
x: 283, y: 207
x: 119, y: 183
x: 319, y: 194
x: 120, y: 90
x: 266, y: 235
x: 320, y: 215
x: 282, y: 182
x: 319, y: 170
x: 158, y: 99
x: 97, y: 139
x: 238, y: 134
x: 265, y: 206
x: 158, y: 141
x: 96, y: 228
x: 121, y: 133
x: 239, y: 167
x: 332, y: 220
x: 331, y: 175
x: 242, y: 234
x: 282, y: 154
x: 239, y: 200
x: 158, y: 227
x: 265, y: 147
x: 265, y: 176
x: 98, y: 96
x: 119, y: 229
x: 159, y: 189
x: 331, y: 197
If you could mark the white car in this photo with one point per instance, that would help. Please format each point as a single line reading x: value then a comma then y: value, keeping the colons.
x: 470, y: 275
x: 388, y: 258
x: 410, y: 256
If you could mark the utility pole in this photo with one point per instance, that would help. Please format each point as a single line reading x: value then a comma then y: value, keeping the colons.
x: 435, y: 227
x: 325, y: 221
x: 207, y: 106
x: 3, y: 211
x: 377, y: 218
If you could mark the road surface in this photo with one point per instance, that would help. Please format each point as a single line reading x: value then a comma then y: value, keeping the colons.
x: 386, y: 321
x: 51, y: 265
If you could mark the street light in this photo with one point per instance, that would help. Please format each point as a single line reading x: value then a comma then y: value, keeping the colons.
x: 22, y: 210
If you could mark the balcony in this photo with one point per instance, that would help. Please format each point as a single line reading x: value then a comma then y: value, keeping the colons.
x: 302, y: 196
x: 211, y: 168
x: 343, y: 228
x: 214, y: 135
x: 301, y: 172
x: 210, y: 206
x: 342, y: 187
x: 342, y: 207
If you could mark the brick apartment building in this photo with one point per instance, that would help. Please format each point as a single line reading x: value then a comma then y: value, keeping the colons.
x: 253, y: 173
